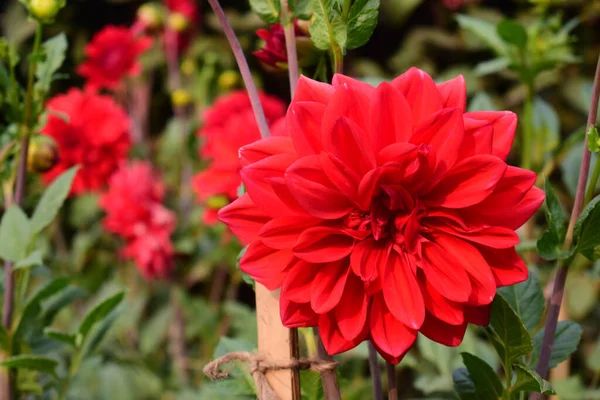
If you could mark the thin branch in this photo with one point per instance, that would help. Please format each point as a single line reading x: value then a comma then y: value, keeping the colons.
x: 289, y: 26
x: 242, y: 63
x: 561, y: 274
x: 375, y: 373
x: 331, y: 388
x: 392, y: 385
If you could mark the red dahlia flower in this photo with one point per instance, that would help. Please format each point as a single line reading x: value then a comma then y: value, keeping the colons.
x: 385, y: 212
x: 228, y: 125
x: 90, y: 130
x: 111, y: 56
x: 134, y: 211
x: 273, y: 53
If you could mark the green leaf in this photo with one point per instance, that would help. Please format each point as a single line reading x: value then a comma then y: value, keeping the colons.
x: 482, y: 102
x: 593, y: 139
x: 33, y: 259
x: 15, y: 234
x: 321, y: 29
x: 509, y: 336
x: 587, y: 234
x: 155, y: 331
x: 31, y: 362
x: 96, y: 314
x: 300, y: 9
x: 52, y: 200
x: 555, y: 214
x: 340, y: 31
x: 566, y: 340
x: 486, y: 381
x: 59, y: 336
x: 362, y: 20
x: 267, y: 10
x: 98, y: 334
x: 512, y: 32
x: 463, y: 384
x: 492, y: 66
x: 529, y: 381
x: 54, y: 50
x: 59, y: 301
x: 227, y: 345
x: 548, y: 246
x: 485, y: 31
x: 527, y: 299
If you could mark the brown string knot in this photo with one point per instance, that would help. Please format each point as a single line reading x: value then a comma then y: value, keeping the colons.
x: 258, y: 367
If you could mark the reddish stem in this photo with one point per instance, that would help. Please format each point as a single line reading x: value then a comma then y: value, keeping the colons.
x: 242, y: 63
x: 392, y: 385
x: 289, y: 26
x: 331, y: 388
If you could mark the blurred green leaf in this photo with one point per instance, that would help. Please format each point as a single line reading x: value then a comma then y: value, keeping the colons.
x: 485, y: 31
x: 512, y: 32
x: 96, y: 314
x: 482, y: 102
x: 362, y: 21
x: 33, y: 259
x: 63, y: 337
x: 593, y: 139
x: 15, y: 234
x: 546, y: 125
x: 52, y: 200
x: 529, y: 381
x: 566, y: 340
x: 300, y: 9
x: 486, y: 381
x: 587, y: 234
x: 243, y: 321
x: 155, y: 331
x: 31, y: 362
x: 582, y: 294
x: 527, y: 299
x: 593, y: 361
x: 59, y: 301
x: 267, y: 10
x: 492, y: 66
x: 321, y: 29
x: 463, y: 384
x: 550, y: 244
x: 508, y: 334
x: 54, y: 51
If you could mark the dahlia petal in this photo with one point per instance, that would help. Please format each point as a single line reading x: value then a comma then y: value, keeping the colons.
x: 390, y: 117
x: 333, y: 341
x: 343, y: 177
x: 282, y: 191
x: 283, y: 233
x: 304, y: 121
x: 296, y: 315
x: 479, y: 141
x: 243, y: 218
x: 440, y: 307
x: 395, y: 152
x: 264, y: 148
x: 441, y: 332
x: 492, y: 236
x: 298, y: 281
x: 504, y: 124
x: 462, y: 255
x: 266, y: 265
x: 343, y: 80
x: 311, y: 90
x: 506, y: 265
x: 351, y: 311
x: 328, y: 286
x: 453, y: 93
x: 366, y: 258
x: 349, y: 143
x: 314, y: 191
x: 323, y: 244
x: 256, y: 178
x: 401, y: 291
x: 391, y: 336
x: 350, y: 102
x: 469, y: 182
x: 478, y: 315
x: 214, y: 181
x: 421, y: 93
x: 451, y: 280
x: 444, y: 132
x: 367, y: 188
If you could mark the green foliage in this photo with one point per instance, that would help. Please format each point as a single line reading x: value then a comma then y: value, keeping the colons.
x: 53, y: 52
x: 587, y: 235
x: 529, y: 381
x: 485, y: 380
x: 527, y: 300
x: 97, y: 314
x: 512, y: 33
x: 362, y: 21
x: 550, y: 244
x: 300, y: 9
x: 15, y: 234
x: 52, y: 200
x: 31, y: 362
x: 593, y: 139
x: 507, y: 333
x: 566, y: 340
x: 268, y: 10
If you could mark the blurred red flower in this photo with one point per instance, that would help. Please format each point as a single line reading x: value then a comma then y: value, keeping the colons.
x: 273, y: 52
x: 91, y: 130
x: 385, y: 212
x: 112, y: 55
x: 134, y: 211
x: 182, y: 22
x: 228, y: 125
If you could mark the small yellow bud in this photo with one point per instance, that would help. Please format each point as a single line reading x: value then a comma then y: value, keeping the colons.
x: 178, y: 22
x: 43, y: 154
x: 45, y: 10
x: 217, y: 202
x: 151, y: 15
x: 181, y: 98
x: 228, y: 80
x: 188, y: 66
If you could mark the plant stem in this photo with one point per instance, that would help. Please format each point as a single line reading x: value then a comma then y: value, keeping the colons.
x: 242, y: 63
x: 6, y: 383
x: 338, y: 59
x: 390, y: 370
x: 346, y: 10
x: 177, y: 333
x: 289, y: 26
x: 375, y: 373
x: 589, y: 195
x: 331, y: 388
x: 561, y: 274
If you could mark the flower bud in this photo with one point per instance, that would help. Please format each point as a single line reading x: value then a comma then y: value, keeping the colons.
x: 273, y: 52
x: 178, y: 22
x: 181, y: 98
x: 151, y: 16
x: 43, y: 154
x: 228, y: 80
x: 216, y: 202
x: 45, y: 10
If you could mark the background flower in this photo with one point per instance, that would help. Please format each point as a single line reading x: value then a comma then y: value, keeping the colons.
x: 91, y: 130
x: 112, y: 55
x: 385, y: 212
x: 134, y: 211
x: 228, y: 125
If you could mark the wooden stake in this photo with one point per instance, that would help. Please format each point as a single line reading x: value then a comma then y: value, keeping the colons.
x: 275, y: 342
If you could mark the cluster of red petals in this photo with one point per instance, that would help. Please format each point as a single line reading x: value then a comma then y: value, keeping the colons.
x: 112, y: 55
x: 228, y: 125
x: 90, y: 130
x: 384, y: 212
x: 273, y: 53
x: 188, y: 9
x: 134, y: 211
